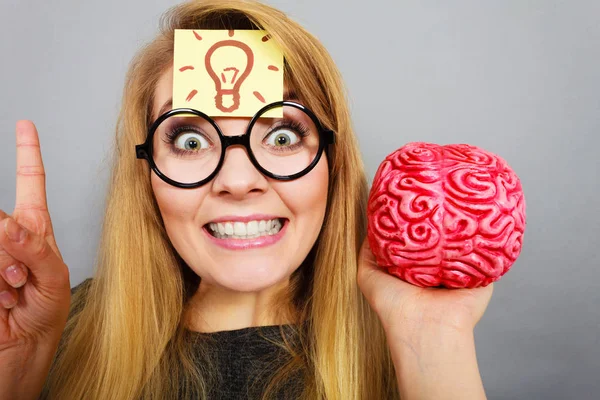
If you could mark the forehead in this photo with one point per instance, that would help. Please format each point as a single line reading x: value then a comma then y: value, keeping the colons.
x: 164, y: 91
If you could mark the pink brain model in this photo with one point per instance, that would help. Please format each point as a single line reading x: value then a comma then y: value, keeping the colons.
x: 451, y: 216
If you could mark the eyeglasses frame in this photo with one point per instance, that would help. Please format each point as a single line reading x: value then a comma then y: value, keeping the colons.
x: 144, y: 150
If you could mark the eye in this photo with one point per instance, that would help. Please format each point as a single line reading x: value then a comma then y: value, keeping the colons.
x: 282, y: 138
x: 191, y: 141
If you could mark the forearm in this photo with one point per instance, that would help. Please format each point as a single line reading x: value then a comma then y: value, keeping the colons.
x: 24, y: 372
x: 436, y: 364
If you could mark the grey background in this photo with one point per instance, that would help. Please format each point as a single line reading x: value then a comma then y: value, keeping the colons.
x: 518, y: 78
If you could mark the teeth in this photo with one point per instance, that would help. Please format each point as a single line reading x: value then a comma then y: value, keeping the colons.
x: 250, y: 230
x: 239, y: 229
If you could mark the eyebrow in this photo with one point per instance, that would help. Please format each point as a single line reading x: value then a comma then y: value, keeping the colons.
x: 287, y: 95
x: 290, y: 94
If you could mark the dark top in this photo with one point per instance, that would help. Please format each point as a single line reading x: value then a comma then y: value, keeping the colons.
x: 244, y: 360
x: 242, y: 357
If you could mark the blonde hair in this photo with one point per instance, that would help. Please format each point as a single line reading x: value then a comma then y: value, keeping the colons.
x: 126, y: 337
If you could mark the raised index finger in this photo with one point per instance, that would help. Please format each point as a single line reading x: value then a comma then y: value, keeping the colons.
x: 31, y: 177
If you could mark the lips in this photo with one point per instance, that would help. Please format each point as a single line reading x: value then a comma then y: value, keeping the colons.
x: 242, y: 229
x: 246, y: 244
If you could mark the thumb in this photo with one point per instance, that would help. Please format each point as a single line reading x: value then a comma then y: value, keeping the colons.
x: 49, y: 271
x: 371, y: 278
x: 381, y: 289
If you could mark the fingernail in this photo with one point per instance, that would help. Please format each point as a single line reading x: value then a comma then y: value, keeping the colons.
x: 16, y: 276
x: 7, y: 300
x: 13, y: 230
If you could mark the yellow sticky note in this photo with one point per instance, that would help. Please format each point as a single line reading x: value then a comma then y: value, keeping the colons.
x: 226, y: 72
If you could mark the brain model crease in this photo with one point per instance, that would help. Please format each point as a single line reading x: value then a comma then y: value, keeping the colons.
x: 445, y: 216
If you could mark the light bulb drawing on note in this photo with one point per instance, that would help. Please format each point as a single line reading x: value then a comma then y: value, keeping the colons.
x: 226, y: 76
x: 226, y: 72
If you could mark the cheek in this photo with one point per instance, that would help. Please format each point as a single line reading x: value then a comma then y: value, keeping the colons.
x: 307, y: 197
x: 176, y: 205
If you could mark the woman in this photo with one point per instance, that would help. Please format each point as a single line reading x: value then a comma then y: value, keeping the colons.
x: 165, y: 287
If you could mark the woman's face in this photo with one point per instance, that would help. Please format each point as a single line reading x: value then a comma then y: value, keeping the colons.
x: 237, y: 192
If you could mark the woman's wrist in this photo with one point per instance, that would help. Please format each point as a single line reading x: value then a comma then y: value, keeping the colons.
x: 25, y: 369
x: 436, y: 362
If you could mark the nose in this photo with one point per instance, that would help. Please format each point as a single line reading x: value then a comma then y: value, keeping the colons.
x: 238, y: 177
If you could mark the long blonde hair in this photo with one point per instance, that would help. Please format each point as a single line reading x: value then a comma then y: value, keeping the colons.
x: 126, y: 337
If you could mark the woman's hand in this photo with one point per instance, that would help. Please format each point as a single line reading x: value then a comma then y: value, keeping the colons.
x: 402, y: 306
x: 34, y: 304
x: 429, y: 332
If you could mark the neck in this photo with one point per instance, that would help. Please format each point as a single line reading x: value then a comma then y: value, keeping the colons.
x: 215, y: 308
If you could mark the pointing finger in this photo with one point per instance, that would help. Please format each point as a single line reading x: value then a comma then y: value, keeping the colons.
x: 31, y: 177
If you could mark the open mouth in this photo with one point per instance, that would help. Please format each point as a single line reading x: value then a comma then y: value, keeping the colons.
x: 245, y: 230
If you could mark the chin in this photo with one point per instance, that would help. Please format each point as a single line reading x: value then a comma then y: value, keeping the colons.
x: 249, y: 278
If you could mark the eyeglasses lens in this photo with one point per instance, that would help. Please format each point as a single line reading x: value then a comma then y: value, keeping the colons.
x: 187, y: 149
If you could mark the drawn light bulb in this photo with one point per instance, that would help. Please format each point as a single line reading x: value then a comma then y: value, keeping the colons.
x: 228, y: 71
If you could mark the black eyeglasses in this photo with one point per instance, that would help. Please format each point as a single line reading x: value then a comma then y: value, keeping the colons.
x: 186, y: 148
